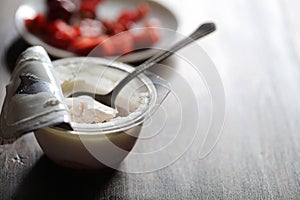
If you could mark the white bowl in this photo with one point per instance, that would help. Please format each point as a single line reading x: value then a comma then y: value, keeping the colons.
x: 167, y: 18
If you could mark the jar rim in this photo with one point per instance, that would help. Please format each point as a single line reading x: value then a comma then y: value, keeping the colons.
x: 135, y: 119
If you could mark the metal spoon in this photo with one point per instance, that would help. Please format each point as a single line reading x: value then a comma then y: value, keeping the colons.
x: 109, y: 99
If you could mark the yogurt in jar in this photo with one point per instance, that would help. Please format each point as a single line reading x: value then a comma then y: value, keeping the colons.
x: 97, y: 145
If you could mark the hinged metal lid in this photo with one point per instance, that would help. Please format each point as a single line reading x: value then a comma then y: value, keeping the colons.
x: 33, y: 97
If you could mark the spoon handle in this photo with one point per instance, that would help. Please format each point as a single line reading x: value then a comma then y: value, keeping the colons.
x: 200, y: 32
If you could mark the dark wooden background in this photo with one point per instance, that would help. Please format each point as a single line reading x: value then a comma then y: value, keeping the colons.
x: 256, y: 50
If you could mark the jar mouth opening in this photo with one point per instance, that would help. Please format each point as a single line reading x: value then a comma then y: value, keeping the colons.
x: 132, y: 96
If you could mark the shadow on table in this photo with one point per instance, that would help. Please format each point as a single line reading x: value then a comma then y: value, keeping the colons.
x: 13, y: 51
x: 46, y: 180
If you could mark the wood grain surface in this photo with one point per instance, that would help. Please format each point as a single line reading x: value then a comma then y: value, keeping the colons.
x: 258, y: 155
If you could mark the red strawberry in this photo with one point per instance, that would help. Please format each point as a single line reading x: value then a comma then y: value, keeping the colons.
x: 123, y: 43
x: 148, y: 36
x: 37, y: 25
x: 60, y: 9
x: 60, y: 34
x: 100, y: 46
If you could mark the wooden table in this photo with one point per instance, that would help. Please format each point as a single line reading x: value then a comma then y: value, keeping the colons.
x: 256, y: 51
